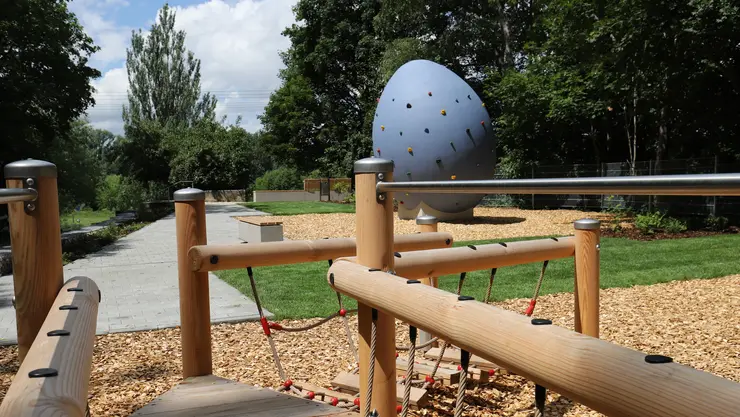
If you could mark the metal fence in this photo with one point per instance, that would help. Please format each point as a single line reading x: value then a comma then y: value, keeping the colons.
x: 674, y: 205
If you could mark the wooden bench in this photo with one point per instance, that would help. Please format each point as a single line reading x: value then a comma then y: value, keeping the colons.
x: 258, y: 229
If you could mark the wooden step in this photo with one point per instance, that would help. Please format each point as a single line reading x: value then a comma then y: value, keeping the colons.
x: 448, y: 376
x: 211, y: 396
x: 453, y: 356
x: 480, y: 375
x: 351, y: 383
x: 326, y: 392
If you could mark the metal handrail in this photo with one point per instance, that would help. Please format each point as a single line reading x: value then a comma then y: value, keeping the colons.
x: 12, y: 195
x: 686, y: 185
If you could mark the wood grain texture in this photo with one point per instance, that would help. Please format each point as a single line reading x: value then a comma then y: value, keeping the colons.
x: 448, y: 376
x: 586, y: 287
x: 374, y: 222
x: 70, y: 355
x: 439, y: 262
x: 195, y: 310
x: 297, y: 251
x: 212, y: 396
x: 606, y: 377
x: 36, y: 244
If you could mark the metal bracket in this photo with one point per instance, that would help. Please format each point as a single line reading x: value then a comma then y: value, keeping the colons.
x: 30, y: 206
x: 378, y: 178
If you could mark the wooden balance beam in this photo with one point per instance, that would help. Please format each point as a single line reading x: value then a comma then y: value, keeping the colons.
x: 54, y: 377
x: 606, y: 377
x: 220, y: 257
x: 438, y: 262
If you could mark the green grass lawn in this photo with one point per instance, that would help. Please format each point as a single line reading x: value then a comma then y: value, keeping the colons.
x: 289, y: 208
x: 86, y: 218
x: 301, y: 290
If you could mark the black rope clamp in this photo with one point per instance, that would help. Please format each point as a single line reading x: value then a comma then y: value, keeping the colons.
x: 331, y: 279
x: 214, y: 259
x: 249, y: 272
x: 375, y: 314
x: 373, y: 270
x: 658, y: 359
x: 465, y: 298
x: 74, y: 289
x: 397, y: 254
x: 472, y: 247
x: 413, y: 281
x: 412, y: 334
x: 464, y: 359
x: 540, y: 322
x: 502, y: 244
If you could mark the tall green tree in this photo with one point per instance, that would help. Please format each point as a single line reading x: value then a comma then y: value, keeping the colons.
x: 164, y: 93
x: 44, y: 76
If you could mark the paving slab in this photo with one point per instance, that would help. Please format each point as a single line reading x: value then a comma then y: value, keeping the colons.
x: 137, y: 276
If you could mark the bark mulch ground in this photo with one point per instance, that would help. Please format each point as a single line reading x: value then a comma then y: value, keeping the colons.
x: 694, y: 322
x: 488, y: 223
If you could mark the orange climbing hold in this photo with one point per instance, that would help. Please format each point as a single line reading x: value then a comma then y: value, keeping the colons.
x: 453, y: 177
x: 410, y: 149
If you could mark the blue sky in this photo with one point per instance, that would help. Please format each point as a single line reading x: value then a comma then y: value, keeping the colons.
x: 237, y: 42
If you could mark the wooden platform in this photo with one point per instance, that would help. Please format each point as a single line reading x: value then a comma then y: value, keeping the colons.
x: 211, y: 396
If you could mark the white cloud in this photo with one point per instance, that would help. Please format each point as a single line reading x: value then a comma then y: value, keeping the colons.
x: 238, y: 44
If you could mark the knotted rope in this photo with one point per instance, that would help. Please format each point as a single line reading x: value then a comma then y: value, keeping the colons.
x: 464, y: 363
x: 409, y: 372
x: 371, y: 371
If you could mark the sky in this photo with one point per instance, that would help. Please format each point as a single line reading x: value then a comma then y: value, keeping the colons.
x: 237, y: 42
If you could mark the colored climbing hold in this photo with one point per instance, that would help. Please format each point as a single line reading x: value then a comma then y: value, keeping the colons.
x: 401, y: 202
x: 483, y: 104
x: 408, y: 105
x: 438, y: 160
x: 444, y: 113
x: 467, y: 131
x: 400, y: 133
x: 408, y: 173
x: 426, y: 130
x: 393, y: 99
x: 430, y: 94
x: 482, y: 123
x: 410, y: 150
x: 378, y: 100
x: 453, y: 177
x: 382, y: 127
x: 457, y: 101
x: 407, y: 194
x: 378, y: 150
x: 469, y: 97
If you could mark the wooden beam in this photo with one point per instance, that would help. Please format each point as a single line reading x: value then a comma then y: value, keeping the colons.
x: 453, y: 356
x: 586, y: 287
x: 221, y: 257
x: 64, y: 349
x: 447, y: 375
x: 36, y: 245
x: 606, y: 377
x: 351, y: 383
x: 195, y: 310
x: 438, y: 262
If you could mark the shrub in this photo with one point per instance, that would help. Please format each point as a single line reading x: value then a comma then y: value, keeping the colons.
x: 341, y: 187
x: 649, y: 223
x: 716, y: 223
x: 350, y: 199
x: 673, y: 225
x: 283, y: 178
x: 119, y: 193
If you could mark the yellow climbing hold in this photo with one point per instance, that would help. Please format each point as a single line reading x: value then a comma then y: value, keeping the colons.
x: 444, y: 113
x: 453, y: 177
x: 483, y: 104
x: 382, y: 127
x: 410, y: 150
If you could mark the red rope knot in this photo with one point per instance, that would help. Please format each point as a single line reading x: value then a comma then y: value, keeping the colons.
x: 491, y: 372
x: 288, y: 383
x: 342, y: 312
x: 265, y: 326
x: 275, y: 326
x: 310, y: 395
x: 530, y: 309
x: 334, y: 401
x: 429, y: 379
x: 459, y: 367
x: 399, y: 409
x: 357, y: 402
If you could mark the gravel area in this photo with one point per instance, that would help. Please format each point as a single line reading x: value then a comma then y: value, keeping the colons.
x: 695, y: 322
x: 488, y: 223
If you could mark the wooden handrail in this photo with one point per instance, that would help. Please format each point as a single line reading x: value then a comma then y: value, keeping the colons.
x: 439, y: 262
x: 61, y: 354
x: 604, y: 376
x: 220, y: 257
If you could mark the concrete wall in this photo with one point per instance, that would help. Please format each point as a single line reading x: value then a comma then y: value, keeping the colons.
x: 226, y: 195
x: 292, y: 195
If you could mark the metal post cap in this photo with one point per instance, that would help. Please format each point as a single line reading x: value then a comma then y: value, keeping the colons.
x: 373, y: 166
x: 30, y: 168
x: 424, y: 218
x: 587, y: 224
x: 189, y: 194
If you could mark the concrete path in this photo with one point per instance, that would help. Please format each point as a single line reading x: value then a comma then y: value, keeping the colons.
x: 137, y: 276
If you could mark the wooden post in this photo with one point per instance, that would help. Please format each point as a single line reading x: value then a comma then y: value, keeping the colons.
x: 375, y: 250
x: 195, y: 310
x: 586, y: 291
x: 427, y: 224
x: 36, y: 245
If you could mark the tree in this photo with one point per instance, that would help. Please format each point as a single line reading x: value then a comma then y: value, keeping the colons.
x: 44, y: 76
x: 164, y: 93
